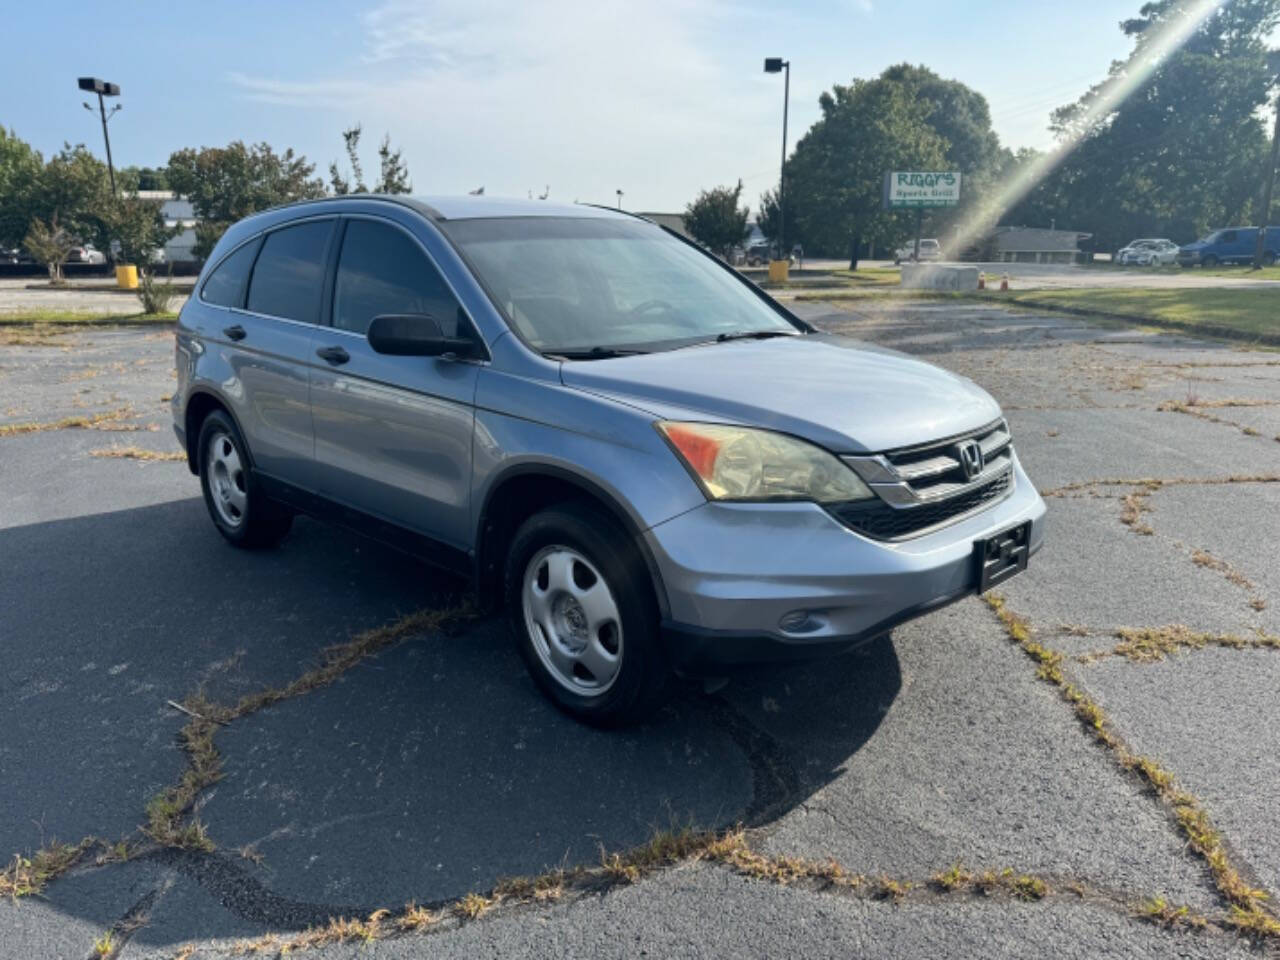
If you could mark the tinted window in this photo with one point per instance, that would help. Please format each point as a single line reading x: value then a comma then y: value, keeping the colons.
x: 1228, y: 237
x: 287, y: 277
x: 225, y: 286
x: 381, y: 270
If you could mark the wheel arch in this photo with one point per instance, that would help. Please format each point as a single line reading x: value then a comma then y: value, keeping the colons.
x: 521, y: 490
x: 200, y: 403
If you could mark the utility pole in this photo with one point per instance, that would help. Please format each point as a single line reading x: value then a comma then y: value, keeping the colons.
x: 103, y: 89
x: 1268, y: 182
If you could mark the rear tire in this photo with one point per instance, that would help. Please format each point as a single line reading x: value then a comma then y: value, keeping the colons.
x: 1268, y: 259
x: 238, y: 507
x: 582, y: 611
x: 1209, y: 261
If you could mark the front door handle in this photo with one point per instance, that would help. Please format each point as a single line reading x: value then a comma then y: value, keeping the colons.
x: 235, y: 332
x: 333, y: 355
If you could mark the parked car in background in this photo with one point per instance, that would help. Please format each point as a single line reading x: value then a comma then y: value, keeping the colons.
x: 1231, y: 245
x: 1148, y: 253
x: 929, y: 250
x: 86, y: 253
x: 649, y: 462
x: 759, y: 254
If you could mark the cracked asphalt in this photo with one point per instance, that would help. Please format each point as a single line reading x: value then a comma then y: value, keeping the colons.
x: 435, y: 768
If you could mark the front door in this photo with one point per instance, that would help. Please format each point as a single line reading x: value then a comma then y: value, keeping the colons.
x: 393, y: 434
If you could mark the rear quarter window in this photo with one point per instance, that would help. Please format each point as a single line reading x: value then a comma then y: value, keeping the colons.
x: 225, y: 285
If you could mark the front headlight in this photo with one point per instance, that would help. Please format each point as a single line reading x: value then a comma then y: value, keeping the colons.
x: 742, y: 463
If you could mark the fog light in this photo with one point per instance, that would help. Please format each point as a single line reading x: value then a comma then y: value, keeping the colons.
x: 799, y: 621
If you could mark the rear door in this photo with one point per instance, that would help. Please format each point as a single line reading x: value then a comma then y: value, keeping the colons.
x: 393, y: 434
x: 267, y: 336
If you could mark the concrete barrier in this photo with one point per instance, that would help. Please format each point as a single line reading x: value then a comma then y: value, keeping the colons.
x: 939, y: 276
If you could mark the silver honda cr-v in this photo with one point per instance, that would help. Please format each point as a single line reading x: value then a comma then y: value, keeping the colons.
x: 653, y: 465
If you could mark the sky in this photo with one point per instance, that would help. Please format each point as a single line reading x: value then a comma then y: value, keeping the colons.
x: 658, y: 98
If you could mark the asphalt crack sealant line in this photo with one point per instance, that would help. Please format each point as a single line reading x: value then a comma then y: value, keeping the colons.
x: 173, y: 834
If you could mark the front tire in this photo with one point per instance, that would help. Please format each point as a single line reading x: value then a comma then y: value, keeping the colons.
x: 582, y: 611
x: 239, y: 509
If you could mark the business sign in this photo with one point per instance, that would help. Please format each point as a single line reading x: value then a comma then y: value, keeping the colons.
x: 921, y: 189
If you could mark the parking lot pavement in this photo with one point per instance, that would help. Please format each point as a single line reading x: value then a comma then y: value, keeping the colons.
x: 432, y: 769
x: 78, y: 295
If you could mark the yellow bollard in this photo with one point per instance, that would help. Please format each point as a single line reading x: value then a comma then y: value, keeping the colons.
x: 127, y: 277
x: 779, y: 270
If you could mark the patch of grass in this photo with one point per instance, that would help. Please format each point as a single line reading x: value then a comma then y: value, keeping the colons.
x: 95, y: 421
x: 138, y: 453
x: 1247, y: 313
x: 78, y: 318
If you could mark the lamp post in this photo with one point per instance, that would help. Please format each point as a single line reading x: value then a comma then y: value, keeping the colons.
x: 103, y: 89
x: 778, y: 65
x: 619, y: 193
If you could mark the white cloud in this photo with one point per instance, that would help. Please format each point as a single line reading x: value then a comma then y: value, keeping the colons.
x: 585, y: 96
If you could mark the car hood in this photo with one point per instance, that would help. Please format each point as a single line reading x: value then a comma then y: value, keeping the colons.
x: 845, y: 395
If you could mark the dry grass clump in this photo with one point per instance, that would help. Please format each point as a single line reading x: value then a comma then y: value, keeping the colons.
x: 138, y: 453
x: 96, y: 421
x: 1152, y: 644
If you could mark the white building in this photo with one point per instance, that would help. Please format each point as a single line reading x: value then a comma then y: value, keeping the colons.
x: 177, y: 212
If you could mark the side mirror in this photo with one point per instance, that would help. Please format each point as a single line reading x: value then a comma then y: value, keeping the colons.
x: 414, y: 335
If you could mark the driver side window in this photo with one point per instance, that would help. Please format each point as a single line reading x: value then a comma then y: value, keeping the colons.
x: 382, y: 271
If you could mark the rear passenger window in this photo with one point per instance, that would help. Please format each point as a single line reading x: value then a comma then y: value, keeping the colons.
x: 380, y: 271
x: 288, y: 276
x: 225, y: 286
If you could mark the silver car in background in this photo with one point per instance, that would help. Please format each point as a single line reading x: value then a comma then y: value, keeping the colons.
x: 652, y: 465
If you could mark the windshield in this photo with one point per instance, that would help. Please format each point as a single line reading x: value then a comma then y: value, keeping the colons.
x: 571, y: 285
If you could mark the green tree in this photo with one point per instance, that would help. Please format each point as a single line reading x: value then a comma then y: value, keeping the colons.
x: 74, y: 192
x: 142, y: 178
x: 227, y: 183
x: 136, y: 228
x: 715, y: 219
x: 20, y: 169
x: 836, y: 175
x: 768, y: 220
x: 1183, y: 151
x: 393, y: 175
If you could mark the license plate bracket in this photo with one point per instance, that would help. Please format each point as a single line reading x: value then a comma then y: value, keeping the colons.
x: 1002, y: 555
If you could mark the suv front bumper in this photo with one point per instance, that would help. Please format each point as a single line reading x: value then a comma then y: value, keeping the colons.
x: 750, y: 582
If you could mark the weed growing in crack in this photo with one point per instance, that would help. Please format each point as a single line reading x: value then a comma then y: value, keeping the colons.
x: 1246, y: 904
x: 138, y: 453
x: 1164, y: 914
x: 1153, y: 644
x: 28, y: 876
x: 167, y: 812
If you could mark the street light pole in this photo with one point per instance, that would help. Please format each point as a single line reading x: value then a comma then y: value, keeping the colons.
x: 103, y: 89
x: 619, y: 193
x: 774, y: 65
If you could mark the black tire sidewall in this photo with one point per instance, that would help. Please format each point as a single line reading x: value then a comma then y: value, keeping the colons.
x: 601, y: 540
x: 264, y: 522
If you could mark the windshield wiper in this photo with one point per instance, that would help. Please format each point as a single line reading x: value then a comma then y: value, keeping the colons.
x: 753, y: 335
x: 594, y: 353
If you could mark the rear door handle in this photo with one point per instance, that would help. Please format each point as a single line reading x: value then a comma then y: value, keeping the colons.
x: 333, y: 355
x: 235, y: 332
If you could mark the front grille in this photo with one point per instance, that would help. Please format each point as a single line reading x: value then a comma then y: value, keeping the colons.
x: 920, y: 488
x: 877, y: 519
